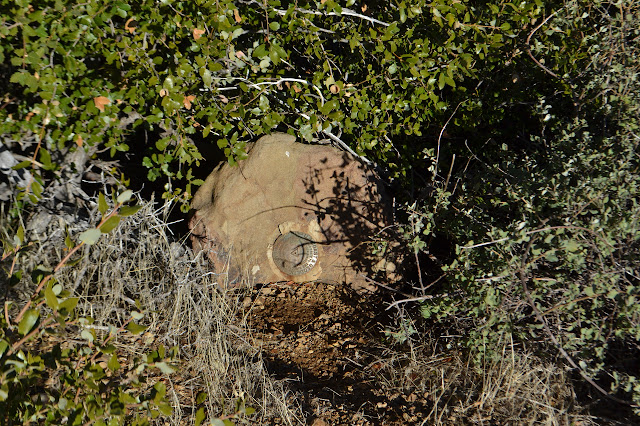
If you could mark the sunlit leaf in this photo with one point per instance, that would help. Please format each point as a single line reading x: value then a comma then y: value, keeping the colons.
x: 113, y: 363
x: 3, y: 346
x: 101, y: 101
x: 200, y: 416
x: 125, y: 196
x: 102, y: 204
x: 110, y: 224
x: 135, y: 328
x: 28, y: 321
x: 88, y: 335
x: 50, y: 297
x: 90, y: 236
x: 164, y: 367
x: 197, y: 33
x: 69, y: 304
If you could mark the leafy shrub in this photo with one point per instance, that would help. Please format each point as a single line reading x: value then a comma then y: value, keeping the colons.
x: 548, y: 235
x: 379, y: 77
x: 49, y: 377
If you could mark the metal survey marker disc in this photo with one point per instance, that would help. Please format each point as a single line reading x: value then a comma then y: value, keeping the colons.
x: 295, y: 253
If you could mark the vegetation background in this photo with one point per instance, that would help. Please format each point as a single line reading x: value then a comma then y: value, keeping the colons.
x: 509, y: 128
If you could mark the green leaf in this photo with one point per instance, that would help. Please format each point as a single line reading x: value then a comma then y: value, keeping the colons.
x: 28, y: 321
x: 161, y: 391
x: 88, y: 335
x: 260, y: 51
x: 128, y: 210
x: 165, y: 409
x: 164, y: 367
x: 4, y: 392
x: 202, y: 396
x: 126, y: 398
x: 571, y: 245
x: 102, y: 204
x: 113, y: 363
x: 125, y: 196
x: 20, y: 234
x: 50, y: 297
x: 69, y: 304
x: 136, y: 328
x: 110, y: 224
x: 441, y: 81
x: 37, y: 188
x: 206, y: 78
x: 108, y: 349
x: 22, y: 165
x: 200, y: 416
x: 90, y: 236
x: 45, y: 158
x: 3, y: 347
x: 68, y: 242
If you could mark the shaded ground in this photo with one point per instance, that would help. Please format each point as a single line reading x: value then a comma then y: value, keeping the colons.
x: 325, y: 340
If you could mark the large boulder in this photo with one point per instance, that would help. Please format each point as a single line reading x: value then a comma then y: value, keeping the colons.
x: 294, y: 212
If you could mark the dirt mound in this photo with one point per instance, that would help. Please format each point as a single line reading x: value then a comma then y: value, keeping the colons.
x: 325, y: 341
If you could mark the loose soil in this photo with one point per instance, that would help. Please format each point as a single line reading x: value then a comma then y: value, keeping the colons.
x: 326, y: 341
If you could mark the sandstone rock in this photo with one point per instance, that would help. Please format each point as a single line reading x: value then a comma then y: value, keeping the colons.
x: 293, y: 212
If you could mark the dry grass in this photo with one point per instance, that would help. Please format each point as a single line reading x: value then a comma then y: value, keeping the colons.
x: 137, y: 267
x: 516, y: 388
x: 141, y: 266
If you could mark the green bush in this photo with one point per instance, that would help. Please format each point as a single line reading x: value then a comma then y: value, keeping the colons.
x: 549, y: 234
x: 55, y: 368
x: 374, y: 77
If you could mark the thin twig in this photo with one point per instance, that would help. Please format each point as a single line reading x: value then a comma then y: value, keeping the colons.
x: 529, y: 47
x: 386, y: 287
x: 346, y: 148
x: 435, y: 168
x: 417, y: 299
x: 446, y: 184
x: 537, y: 231
x: 345, y: 12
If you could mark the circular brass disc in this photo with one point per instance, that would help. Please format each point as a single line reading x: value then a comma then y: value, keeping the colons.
x: 295, y: 253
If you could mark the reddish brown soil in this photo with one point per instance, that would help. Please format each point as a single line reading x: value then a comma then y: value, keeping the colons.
x: 326, y: 340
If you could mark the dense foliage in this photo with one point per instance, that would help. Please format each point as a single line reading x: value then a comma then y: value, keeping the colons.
x: 511, y: 127
x: 548, y: 230
x: 379, y: 76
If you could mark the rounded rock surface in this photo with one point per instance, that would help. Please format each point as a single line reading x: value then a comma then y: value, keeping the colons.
x: 241, y: 216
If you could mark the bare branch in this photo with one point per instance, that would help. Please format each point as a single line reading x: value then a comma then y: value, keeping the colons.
x: 346, y: 148
x: 529, y: 47
x: 345, y: 12
x: 417, y: 299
